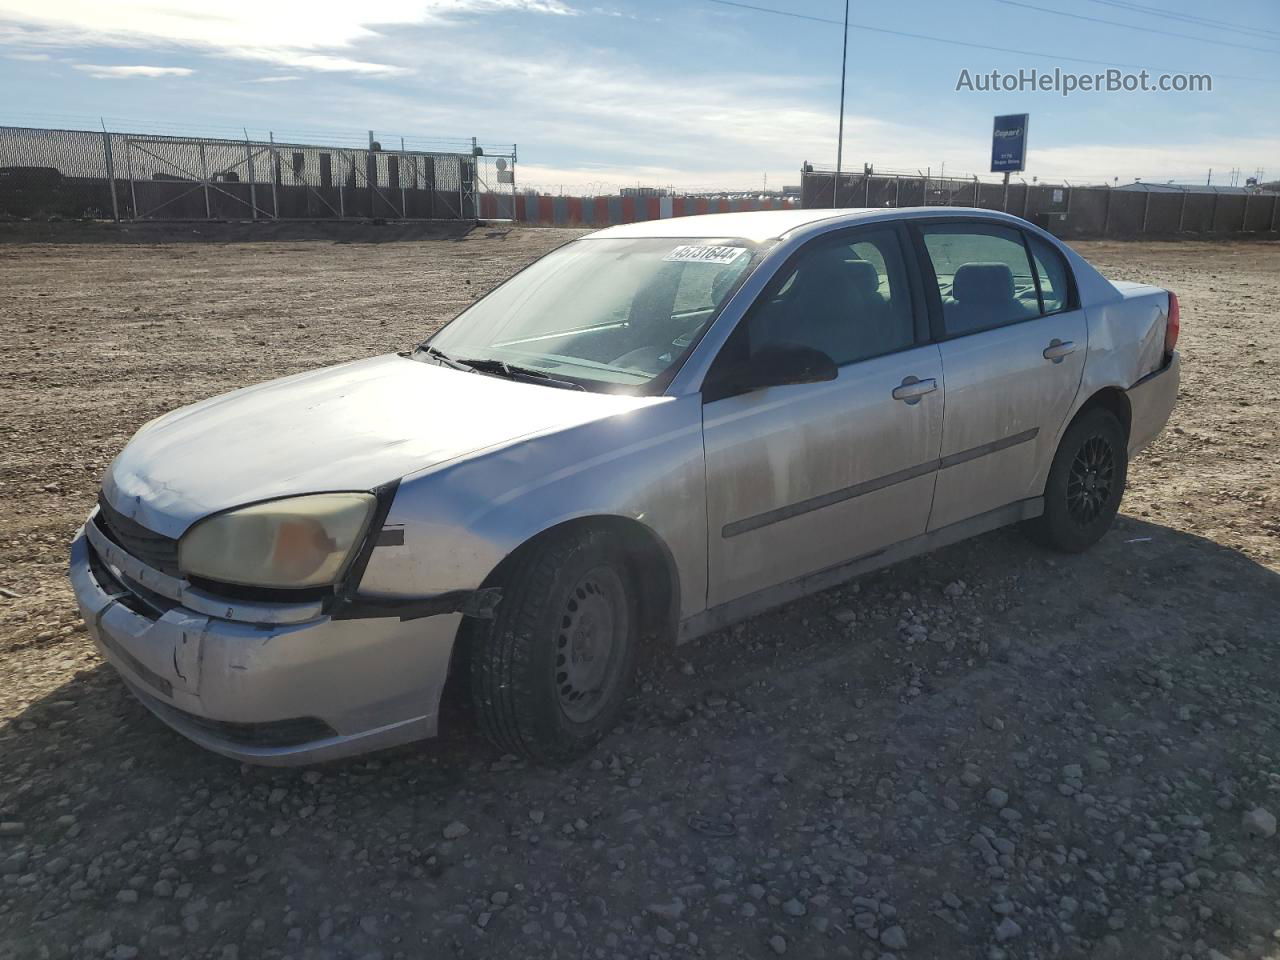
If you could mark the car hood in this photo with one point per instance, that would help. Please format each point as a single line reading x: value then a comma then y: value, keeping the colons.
x: 349, y: 427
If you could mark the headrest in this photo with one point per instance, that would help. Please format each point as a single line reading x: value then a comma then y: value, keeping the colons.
x: 863, y: 277
x: 983, y: 283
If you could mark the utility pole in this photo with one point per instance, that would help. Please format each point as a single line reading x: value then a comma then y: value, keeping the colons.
x: 844, y: 59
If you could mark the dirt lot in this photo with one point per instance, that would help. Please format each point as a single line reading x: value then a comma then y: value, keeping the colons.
x: 1060, y: 756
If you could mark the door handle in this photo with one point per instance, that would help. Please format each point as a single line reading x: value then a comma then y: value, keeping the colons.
x: 1057, y: 349
x: 913, y: 388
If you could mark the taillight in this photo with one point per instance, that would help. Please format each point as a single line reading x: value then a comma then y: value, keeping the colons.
x: 1172, y: 326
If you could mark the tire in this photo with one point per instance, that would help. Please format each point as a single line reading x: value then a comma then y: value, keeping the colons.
x: 1086, y: 483
x: 550, y: 672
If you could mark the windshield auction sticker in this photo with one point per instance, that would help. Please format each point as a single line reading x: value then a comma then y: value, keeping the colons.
x: 701, y: 254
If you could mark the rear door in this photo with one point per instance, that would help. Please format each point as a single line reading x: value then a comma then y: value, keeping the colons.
x: 805, y: 477
x: 1013, y: 344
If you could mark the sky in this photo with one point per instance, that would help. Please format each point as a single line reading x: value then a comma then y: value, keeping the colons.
x: 696, y: 94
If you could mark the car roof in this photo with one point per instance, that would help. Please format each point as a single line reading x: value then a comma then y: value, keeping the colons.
x: 761, y: 225
x: 756, y: 226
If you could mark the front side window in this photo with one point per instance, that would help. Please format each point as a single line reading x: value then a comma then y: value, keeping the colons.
x: 605, y: 314
x: 848, y: 297
x: 984, y: 276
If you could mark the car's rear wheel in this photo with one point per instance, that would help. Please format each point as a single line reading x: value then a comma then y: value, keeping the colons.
x: 550, y: 672
x: 1086, y: 483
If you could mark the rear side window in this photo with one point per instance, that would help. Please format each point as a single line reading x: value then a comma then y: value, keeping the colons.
x: 984, y: 276
x: 1055, y: 283
x: 848, y: 296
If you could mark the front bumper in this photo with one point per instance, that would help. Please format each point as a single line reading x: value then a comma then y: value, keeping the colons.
x: 267, y: 693
x: 1151, y: 402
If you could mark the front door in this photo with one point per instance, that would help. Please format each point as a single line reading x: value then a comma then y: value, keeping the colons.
x: 1013, y: 345
x: 805, y: 477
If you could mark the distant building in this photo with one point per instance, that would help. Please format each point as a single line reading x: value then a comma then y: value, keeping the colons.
x: 644, y: 192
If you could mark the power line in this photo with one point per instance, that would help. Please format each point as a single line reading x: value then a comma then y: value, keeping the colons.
x: 1248, y: 31
x: 957, y: 43
x: 1129, y: 26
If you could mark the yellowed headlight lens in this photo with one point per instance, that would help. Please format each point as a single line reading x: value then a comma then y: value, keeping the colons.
x: 300, y: 542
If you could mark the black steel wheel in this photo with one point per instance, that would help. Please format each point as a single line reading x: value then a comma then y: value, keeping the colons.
x: 1086, y: 483
x: 550, y: 672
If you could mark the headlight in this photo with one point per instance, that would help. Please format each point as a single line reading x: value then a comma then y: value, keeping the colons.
x: 300, y: 542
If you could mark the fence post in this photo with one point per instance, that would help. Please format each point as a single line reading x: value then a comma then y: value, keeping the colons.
x: 404, y: 205
x: 1244, y: 217
x: 111, y: 173
x: 1026, y: 199
x: 1275, y: 208
x: 897, y: 191
x: 275, y: 175
x: 976, y: 201
x: 461, y: 211
x: 1182, y: 211
x: 866, y: 189
x: 342, y: 196
x: 1146, y: 211
x: 133, y: 190
x: 204, y: 175
x: 1106, y: 215
x: 1213, y: 213
x: 253, y: 186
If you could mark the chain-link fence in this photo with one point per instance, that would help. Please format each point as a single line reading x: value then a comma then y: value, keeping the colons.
x: 1060, y: 208
x: 124, y: 176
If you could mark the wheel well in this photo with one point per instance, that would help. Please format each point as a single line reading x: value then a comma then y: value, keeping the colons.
x: 651, y: 566
x: 1113, y: 399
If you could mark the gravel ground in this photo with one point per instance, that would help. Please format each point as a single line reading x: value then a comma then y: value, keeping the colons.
x: 989, y: 752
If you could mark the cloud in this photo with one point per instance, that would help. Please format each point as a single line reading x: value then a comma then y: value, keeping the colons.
x: 117, y: 72
x: 32, y: 57
x: 302, y: 36
x: 282, y: 78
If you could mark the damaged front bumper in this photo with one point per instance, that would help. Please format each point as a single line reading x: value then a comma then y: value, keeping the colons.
x: 281, y: 691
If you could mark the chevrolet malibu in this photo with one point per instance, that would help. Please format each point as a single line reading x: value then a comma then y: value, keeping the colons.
x: 649, y: 433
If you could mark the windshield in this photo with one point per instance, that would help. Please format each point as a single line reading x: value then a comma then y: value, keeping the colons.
x: 608, y: 314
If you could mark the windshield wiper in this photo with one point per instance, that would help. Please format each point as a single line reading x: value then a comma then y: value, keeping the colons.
x: 444, y: 357
x: 513, y: 372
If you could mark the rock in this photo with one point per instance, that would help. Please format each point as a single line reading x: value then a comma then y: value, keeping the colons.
x: 794, y: 908
x: 665, y: 936
x: 456, y: 830
x: 56, y: 865
x: 1243, y: 883
x: 97, y: 942
x: 1007, y: 929
x: 500, y: 898
x: 1259, y: 822
x: 997, y: 797
x: 127, y: 896
x: 667, y: 911
x: 895, y: 938
x: 1073, y: 771
x: 954, y: 589
x: 993, y: 723
x: 12, y: 828
x: 778, y: 944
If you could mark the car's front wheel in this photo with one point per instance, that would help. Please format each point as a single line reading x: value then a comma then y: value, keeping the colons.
x: 550, y: 672
x: 1086, y: 483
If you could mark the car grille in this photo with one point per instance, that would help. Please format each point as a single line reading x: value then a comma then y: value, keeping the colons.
x: 154, y: 549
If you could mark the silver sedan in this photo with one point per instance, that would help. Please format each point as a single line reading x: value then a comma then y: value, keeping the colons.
x: 649, y: 433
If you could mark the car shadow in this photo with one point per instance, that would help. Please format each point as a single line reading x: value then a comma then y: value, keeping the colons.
x: 94, y: 716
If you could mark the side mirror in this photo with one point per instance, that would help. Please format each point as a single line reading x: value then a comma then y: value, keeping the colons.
x: 782, y: 364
